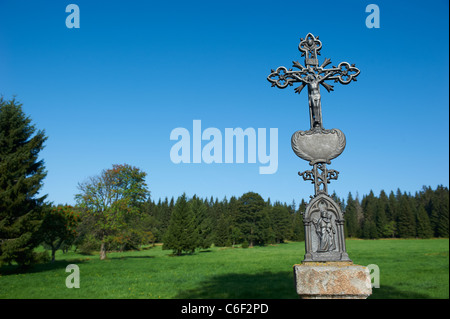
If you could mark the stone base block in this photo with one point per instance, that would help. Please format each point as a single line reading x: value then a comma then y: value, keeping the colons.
x: 332, y: 280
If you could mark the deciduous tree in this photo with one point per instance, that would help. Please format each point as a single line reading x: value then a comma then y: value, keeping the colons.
x: 110, y: 199
x: 59, y: 227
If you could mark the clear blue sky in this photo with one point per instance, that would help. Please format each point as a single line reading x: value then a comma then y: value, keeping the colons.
x: 113, y: 90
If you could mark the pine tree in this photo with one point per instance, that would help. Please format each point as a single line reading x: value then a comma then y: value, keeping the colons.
x: 369, y: 230
x: 351, y: 220
x: 425, y: 199
x: 369, y: 205
x: 296, y: 217
x: 21, y: 176
x: 251, y: 217
x: 423, y: 223
x: 222, y: 232
x: 265, y: 233
x: 279, y: 218
x: 291, y: 212
x: 392, y: 214
x: 203, y: 223
x: 406, y: 223
x: 391, y: 210
x: 381, y: 219
x: 441, y: 205
x: 181, y: 235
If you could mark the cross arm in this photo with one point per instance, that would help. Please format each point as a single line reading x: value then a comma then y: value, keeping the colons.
x: 282, y: 77
x: 344, y: 73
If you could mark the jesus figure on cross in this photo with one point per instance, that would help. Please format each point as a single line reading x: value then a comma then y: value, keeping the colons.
x: 312, y: 80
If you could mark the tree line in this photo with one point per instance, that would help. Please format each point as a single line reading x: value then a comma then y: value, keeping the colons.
x: 114, y: 210
x: 250, y: 220
x: 186, y: 224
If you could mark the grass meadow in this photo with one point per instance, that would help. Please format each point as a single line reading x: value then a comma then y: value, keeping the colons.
x: 408, y: 269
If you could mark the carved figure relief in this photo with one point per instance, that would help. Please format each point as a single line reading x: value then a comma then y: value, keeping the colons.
x: 325, y: 230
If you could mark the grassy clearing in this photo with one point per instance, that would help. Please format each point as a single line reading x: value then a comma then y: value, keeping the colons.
x: 408, y: 269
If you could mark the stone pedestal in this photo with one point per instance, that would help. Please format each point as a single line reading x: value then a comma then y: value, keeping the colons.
x: 332, y: 280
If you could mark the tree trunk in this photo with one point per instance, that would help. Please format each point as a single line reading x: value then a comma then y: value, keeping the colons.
x: 102, y: 251
x: 55, y: 247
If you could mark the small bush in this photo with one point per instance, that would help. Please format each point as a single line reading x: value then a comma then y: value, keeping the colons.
x: 88, y: 245
x: 41, y: 257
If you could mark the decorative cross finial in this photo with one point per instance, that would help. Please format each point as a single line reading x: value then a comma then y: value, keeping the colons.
x: 313, y: 76
x: 310, y: 48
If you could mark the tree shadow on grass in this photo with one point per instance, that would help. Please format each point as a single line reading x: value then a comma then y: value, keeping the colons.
x: 132, y: 257
x: 266, y: 285
x: 269, y: 285
x: 204, y: 251
x: 36, y: 268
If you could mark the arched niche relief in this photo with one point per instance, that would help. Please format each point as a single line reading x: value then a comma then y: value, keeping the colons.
x: 324, y: 230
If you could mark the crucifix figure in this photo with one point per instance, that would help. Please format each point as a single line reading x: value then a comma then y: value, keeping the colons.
x: 313, y: 76
x: 312, y: 80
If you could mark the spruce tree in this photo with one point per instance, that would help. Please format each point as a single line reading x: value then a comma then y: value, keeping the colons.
x: 252, y: 217
x: 423, y: 223
x: 441, y: 205
x: 369, y: 230
x: 280, y: 222
x: 298, y: 229
x: 392, y: 214
x: 351, y: 220
x: 381, y: 219
x: 222, y: 232
x: 368, y: 204
x: 181, y: 235
x: 406, y: 223
x: 203, y: 223
x: 21, y: 176
x: 265, y: 233
x: 369, y: 227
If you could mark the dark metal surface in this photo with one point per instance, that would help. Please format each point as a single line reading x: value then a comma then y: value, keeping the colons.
x: 313, y: 76
x: 323, y: 218
x: 320, y: 177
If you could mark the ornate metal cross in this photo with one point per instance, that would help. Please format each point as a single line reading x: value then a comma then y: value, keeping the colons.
x: 323, y: 218
x: 312, y: 76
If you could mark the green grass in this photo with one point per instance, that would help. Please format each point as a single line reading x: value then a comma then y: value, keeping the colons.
x: 408, y: 269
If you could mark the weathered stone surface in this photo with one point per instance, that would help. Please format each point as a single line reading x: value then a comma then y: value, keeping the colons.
x: 332, y: 280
